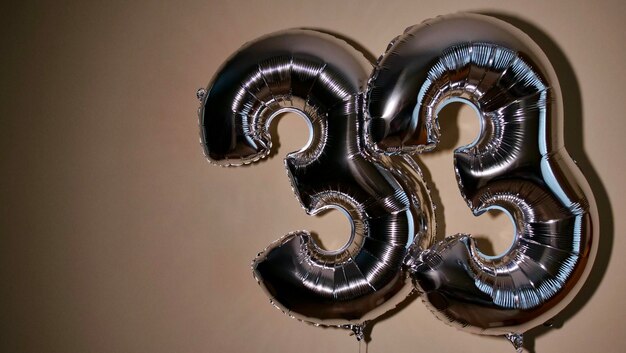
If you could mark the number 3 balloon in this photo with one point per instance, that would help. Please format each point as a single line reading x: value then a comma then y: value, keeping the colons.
x: 321, y: 78
x: 517, y: 164
x: 355, y: 161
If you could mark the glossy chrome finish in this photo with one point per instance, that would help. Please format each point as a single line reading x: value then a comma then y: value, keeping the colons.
x: 518, y: 164
x: 321, y: 78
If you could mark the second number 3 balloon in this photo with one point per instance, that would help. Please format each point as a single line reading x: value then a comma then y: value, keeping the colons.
x: 518, y: 164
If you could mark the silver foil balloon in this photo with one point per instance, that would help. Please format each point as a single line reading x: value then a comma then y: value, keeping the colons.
x: 517, y: 164
x: 322, y: 78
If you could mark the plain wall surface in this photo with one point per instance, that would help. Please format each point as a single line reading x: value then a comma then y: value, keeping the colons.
x: 117, y: 236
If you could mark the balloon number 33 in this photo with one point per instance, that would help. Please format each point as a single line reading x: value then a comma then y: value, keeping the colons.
x: 363, y: 127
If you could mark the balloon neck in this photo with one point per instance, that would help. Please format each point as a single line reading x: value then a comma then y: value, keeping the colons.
x: 357, y: 331
x: 517, y: 340
x: 200, y: 94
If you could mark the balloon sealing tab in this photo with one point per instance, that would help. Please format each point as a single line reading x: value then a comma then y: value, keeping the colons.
x: 357, y: 332
x: 517, y: 340
x: 200, y: 93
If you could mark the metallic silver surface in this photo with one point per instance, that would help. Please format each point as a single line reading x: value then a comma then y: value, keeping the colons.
x: 517, y: 164
x: 323, y: 79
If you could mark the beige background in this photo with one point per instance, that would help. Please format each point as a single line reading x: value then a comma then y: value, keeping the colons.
x: 117, y: 236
